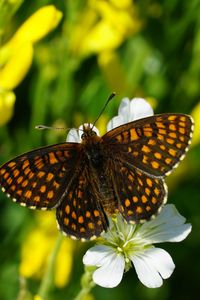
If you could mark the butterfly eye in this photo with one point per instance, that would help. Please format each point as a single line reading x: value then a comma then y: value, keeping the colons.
x: 83, y: 136
x: 93, y: 133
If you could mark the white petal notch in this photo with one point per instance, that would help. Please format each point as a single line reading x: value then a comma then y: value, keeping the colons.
x: 152, y: 266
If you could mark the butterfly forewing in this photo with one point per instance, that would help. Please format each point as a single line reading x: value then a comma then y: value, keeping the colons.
x: 80, y: 214
x: 154, y: 144
x: 38, y: 179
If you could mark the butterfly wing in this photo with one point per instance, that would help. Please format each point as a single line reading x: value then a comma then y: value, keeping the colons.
x: 38, y: 179
x: 154, y: 144
x: 80, y: 214
x: 139, y: 195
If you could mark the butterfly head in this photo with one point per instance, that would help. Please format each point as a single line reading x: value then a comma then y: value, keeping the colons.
x: 89, y: 131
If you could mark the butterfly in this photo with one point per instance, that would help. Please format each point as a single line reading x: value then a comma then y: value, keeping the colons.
x: 121, y: 172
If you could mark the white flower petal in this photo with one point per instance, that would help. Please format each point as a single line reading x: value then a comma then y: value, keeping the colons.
x: 111, y: 265
x: 129, y: 111
x: 123, y: 115
x: 124, y: 110
x: 140, y: 108
x: 168, y: 226
x: 152, y: 265
x: 146, y: 272
x: 115, y: 122
x: 110, y: 274
x: 98, y: 255
x: 73, y: 136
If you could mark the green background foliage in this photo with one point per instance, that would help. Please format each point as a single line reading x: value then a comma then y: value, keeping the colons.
x: 161, y: 61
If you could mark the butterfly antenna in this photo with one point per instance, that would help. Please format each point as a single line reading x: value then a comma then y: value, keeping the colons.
x: 43, y: 127
x: 104, y: 107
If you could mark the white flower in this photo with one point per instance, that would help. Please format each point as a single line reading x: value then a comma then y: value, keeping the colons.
x: 130, y: 110
x: 125, y: 243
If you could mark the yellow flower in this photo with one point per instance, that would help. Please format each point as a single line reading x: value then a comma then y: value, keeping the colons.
x: 103, y: 26
x: 101, y: 124
x: 17, y: 54
x: 37, y: 297
x: 122, y: 3
x: 195, y: 114
x: 36, y: 26
x: 16, y: 67
x: 7, y: 100
x: 38, y: 246
x: 64, y: 263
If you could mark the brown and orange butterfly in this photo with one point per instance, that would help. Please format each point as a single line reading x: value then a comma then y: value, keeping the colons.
x: 120, y: 172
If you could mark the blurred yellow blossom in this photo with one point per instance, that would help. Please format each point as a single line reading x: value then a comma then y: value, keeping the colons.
x: 16, y: 67
x: 32, y: 30
x: 122, y: 3
x: 101, y: 28
x: 37, y: 297
x: 104, y: 25
x: 38, y: 246
x: 195, y: 114
x: 7, y: 101
x: 17, y: 54
x: 102, y: 123
x: 64, y: 263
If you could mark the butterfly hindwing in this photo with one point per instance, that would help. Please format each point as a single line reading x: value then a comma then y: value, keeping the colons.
x: 80, y: 214
x: 140, y: 196
x: 38, y: 179
x: 154, y: 144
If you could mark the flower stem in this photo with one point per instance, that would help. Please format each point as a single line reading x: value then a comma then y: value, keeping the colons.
x: 82, y: 293
x: 46, y: 283
x: 87, y: 284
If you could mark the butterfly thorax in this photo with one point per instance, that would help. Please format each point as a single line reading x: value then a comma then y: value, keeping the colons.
x: 92, y: 145
x: 97, y: 159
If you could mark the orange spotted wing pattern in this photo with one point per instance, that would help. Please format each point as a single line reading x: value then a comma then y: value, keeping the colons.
x: 38, y: 178
x: 121, y: 172
x: 140, y: 195
x: 154, y: 144
x: 80, y: 213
